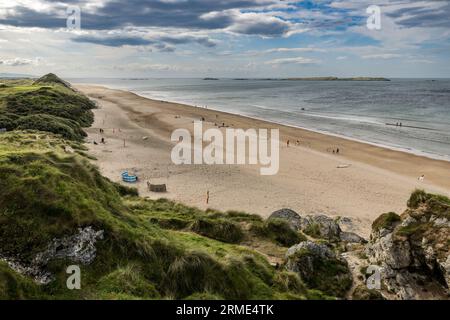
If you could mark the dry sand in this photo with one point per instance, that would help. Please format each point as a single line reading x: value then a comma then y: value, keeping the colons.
x: 379, y: 180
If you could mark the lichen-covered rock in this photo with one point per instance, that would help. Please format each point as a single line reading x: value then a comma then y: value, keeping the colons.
x: 351, y: 237
x: 321, y: 226
x: 413, y: 250
x: 320, y: 268
x: 78, y: 248
x: 288, y: 215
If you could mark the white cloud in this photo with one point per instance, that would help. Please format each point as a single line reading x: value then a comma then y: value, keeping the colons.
x: 382, y: 56
x: 296, y: 60
x: 14, y: 62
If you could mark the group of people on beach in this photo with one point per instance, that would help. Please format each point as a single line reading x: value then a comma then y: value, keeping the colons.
x: 288, y: 143
x: 334, y: 151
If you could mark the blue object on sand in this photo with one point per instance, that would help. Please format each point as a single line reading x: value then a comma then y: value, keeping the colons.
x: 129, y: 178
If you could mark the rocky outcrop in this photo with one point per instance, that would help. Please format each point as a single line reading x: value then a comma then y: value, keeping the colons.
x: 413, y: 250
x: 319, y: 267
x: 79, y: 248
x: 317, y: 226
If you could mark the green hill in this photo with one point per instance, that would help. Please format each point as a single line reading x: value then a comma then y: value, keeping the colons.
x: 149, y: 249
x: 48, y: 104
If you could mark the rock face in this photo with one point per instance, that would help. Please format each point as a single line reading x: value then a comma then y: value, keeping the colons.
x: 317, y: 226
x: 78, y: 248
x: 319, y: 267
x: 413, y: 250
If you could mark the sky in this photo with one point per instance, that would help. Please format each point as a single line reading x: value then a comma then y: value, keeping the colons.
x: 225, y: 38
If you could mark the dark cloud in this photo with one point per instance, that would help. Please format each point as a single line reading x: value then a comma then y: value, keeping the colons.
x: 116, y: 14
x: 162, y: 43
x: 187, y: 39
x: 114, y: 41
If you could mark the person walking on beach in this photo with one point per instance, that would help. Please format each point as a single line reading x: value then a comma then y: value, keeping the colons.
x: 207, y: 197
x: 337, y: 151
x: 287, y: 143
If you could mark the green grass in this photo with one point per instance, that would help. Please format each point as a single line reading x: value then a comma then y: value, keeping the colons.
x: 219, y: 229
x: 278, y: 231
x: 14, y: 286
x: 385, y: 221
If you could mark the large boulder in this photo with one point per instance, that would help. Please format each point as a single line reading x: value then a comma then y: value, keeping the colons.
x: 288, y: 215
x: 320, y: 268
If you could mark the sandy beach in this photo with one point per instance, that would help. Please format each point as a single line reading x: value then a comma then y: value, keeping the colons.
x: 375, y: 180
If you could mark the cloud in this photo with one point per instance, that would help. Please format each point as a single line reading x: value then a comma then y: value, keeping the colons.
x: 382, y: 56
x: 306, y: 49
x: 160, y: 41
x: 253, y: 23
x: 425, y: 14
x: 118, y: 41
x: 187, y: 14
x: 297, y: 60
x: 16, y: 62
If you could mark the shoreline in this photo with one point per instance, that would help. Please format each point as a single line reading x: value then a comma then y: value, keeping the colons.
x: 411, y: 151
x: 407, y: 150
x: 379, y: 179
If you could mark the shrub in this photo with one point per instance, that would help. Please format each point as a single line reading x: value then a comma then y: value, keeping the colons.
x: 52, y: 101
x: 289, y: 282
x: 8, y: 121
x: 170, y: 223
x: 386, y: 220
x: 278, y: 231
x: 125, y: 190
x: 417, y: 197
x: 219, y: 229
x: 41, y: 122
x: 191, y: 273
x: 313, y: 230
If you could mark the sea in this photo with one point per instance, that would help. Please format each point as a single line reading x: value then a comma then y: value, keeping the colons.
x: 411, y: 115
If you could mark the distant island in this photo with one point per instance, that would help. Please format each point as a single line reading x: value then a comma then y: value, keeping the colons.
x: 209, y: 79
x: 337, y: 79
x: 315, y: 79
